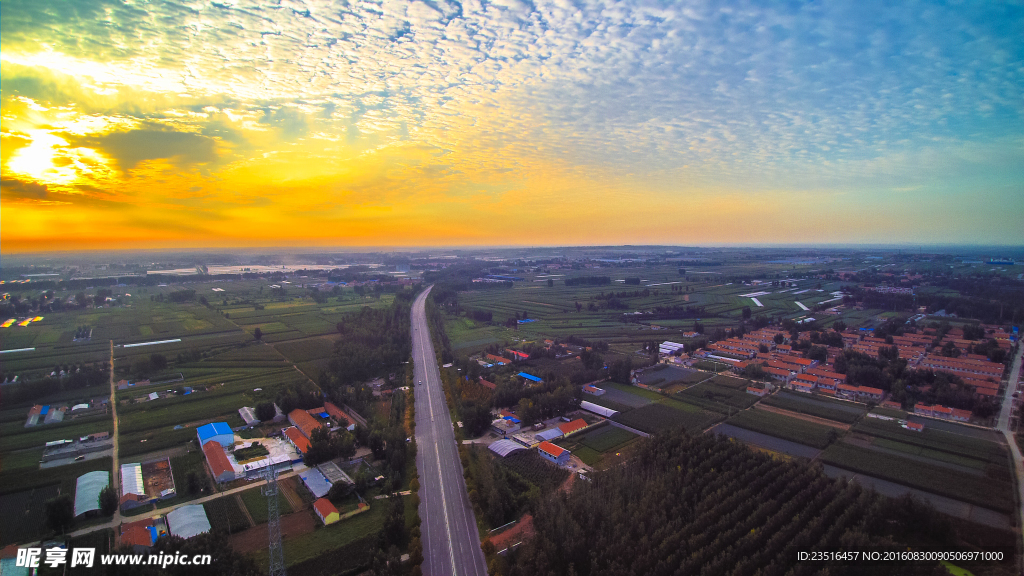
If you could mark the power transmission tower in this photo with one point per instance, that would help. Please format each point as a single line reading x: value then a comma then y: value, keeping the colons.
x: 274, y: 524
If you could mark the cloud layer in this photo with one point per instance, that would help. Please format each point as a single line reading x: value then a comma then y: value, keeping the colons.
x: 393, y: 113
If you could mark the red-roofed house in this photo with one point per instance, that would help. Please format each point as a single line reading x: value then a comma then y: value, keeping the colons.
x: 300, y: 442
x: 498, y: 359
x: 488, y: 385
x: 326, y: 511
x: 756, y: 391
x: 914, y: 426
x: 961, y: 415
x: 338, y: 414
x: 303, y: 421
x: 137, y: 534
x: 574, y: 426
x: 804, y: 383
x: 220, y: 466
x: 893, y: 405
x: 556, y: 454
x: 517, y: 355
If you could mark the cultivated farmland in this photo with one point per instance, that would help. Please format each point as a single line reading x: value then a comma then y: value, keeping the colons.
x: 783, y: 427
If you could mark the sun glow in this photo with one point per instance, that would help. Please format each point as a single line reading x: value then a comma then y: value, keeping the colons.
x: 37, y: 159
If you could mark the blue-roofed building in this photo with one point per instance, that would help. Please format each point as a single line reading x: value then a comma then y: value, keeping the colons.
x: 218, y: 432
x: 529, y: 377
x: 44, y: 410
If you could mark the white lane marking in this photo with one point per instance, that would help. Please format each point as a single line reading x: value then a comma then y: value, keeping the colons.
x: 437, y: 455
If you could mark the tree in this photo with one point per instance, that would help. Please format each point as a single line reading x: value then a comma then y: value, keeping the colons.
x: 265, y: 411
x: 257, y: 333
x: 551, y: 283
x: 108, y: 501
x: 60, y: 513
x: 819, y: 353
x: 779, y: 339
x: 193, y: 483
x: 746, y: 312
x: 159, y: 361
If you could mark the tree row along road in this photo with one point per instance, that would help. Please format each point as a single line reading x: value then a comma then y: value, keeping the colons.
x: 451, y: 543
x: 1003, y: 425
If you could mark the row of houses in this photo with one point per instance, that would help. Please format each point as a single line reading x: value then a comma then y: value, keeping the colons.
x: 943, y: 412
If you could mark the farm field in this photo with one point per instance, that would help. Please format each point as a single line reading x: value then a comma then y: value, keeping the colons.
x: 657, y: 417
x: 256, y: 503
x: 949, y: 506
x: 29, y: 507
x: 721, y: 394
x: 783, y: 427
x: 622, y: 395
x: 225, y: 514
x: 592, y: 446
x: 995, y: 493
x: 766, y: 441
x: 535, y: 469
x: 846, y: 413
x: 933, y: 439
x: 662, y: 376
x: 329, y: 538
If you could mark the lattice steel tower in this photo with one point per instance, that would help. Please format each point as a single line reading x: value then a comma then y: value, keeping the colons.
x: 274, y: 524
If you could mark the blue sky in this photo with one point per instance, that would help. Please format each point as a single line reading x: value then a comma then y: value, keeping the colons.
x: 551, y: 122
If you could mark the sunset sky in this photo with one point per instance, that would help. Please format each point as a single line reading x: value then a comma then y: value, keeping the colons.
x: 556, y: 122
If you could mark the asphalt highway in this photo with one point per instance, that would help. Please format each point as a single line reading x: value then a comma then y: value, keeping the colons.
x: 451, y: 544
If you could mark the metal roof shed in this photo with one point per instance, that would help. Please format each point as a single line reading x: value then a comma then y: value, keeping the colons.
x: 505, y: 447
x: 131, y: 479
x: 549, y: 435
x: 316, y: 482
x: 596, y: 409
x: 87, y: 491
x: 248, y: 414
x: 188, y: 521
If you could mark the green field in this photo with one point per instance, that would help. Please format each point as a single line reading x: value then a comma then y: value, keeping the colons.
x: 780, y: 426
x: 656, y: 417
x: 721, y: 394
x: 939, y: 440
x: 329, y: 538
x: 988, y: 491
x: 225, y: 514
x: 256, y: 503
x: 607, y: 438
x: 821, y: 408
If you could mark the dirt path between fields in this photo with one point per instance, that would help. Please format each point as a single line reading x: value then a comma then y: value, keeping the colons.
x: 805, y: 417
x: 238, y: 498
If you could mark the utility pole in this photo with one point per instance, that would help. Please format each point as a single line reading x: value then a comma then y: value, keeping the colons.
x: 276, y: 549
